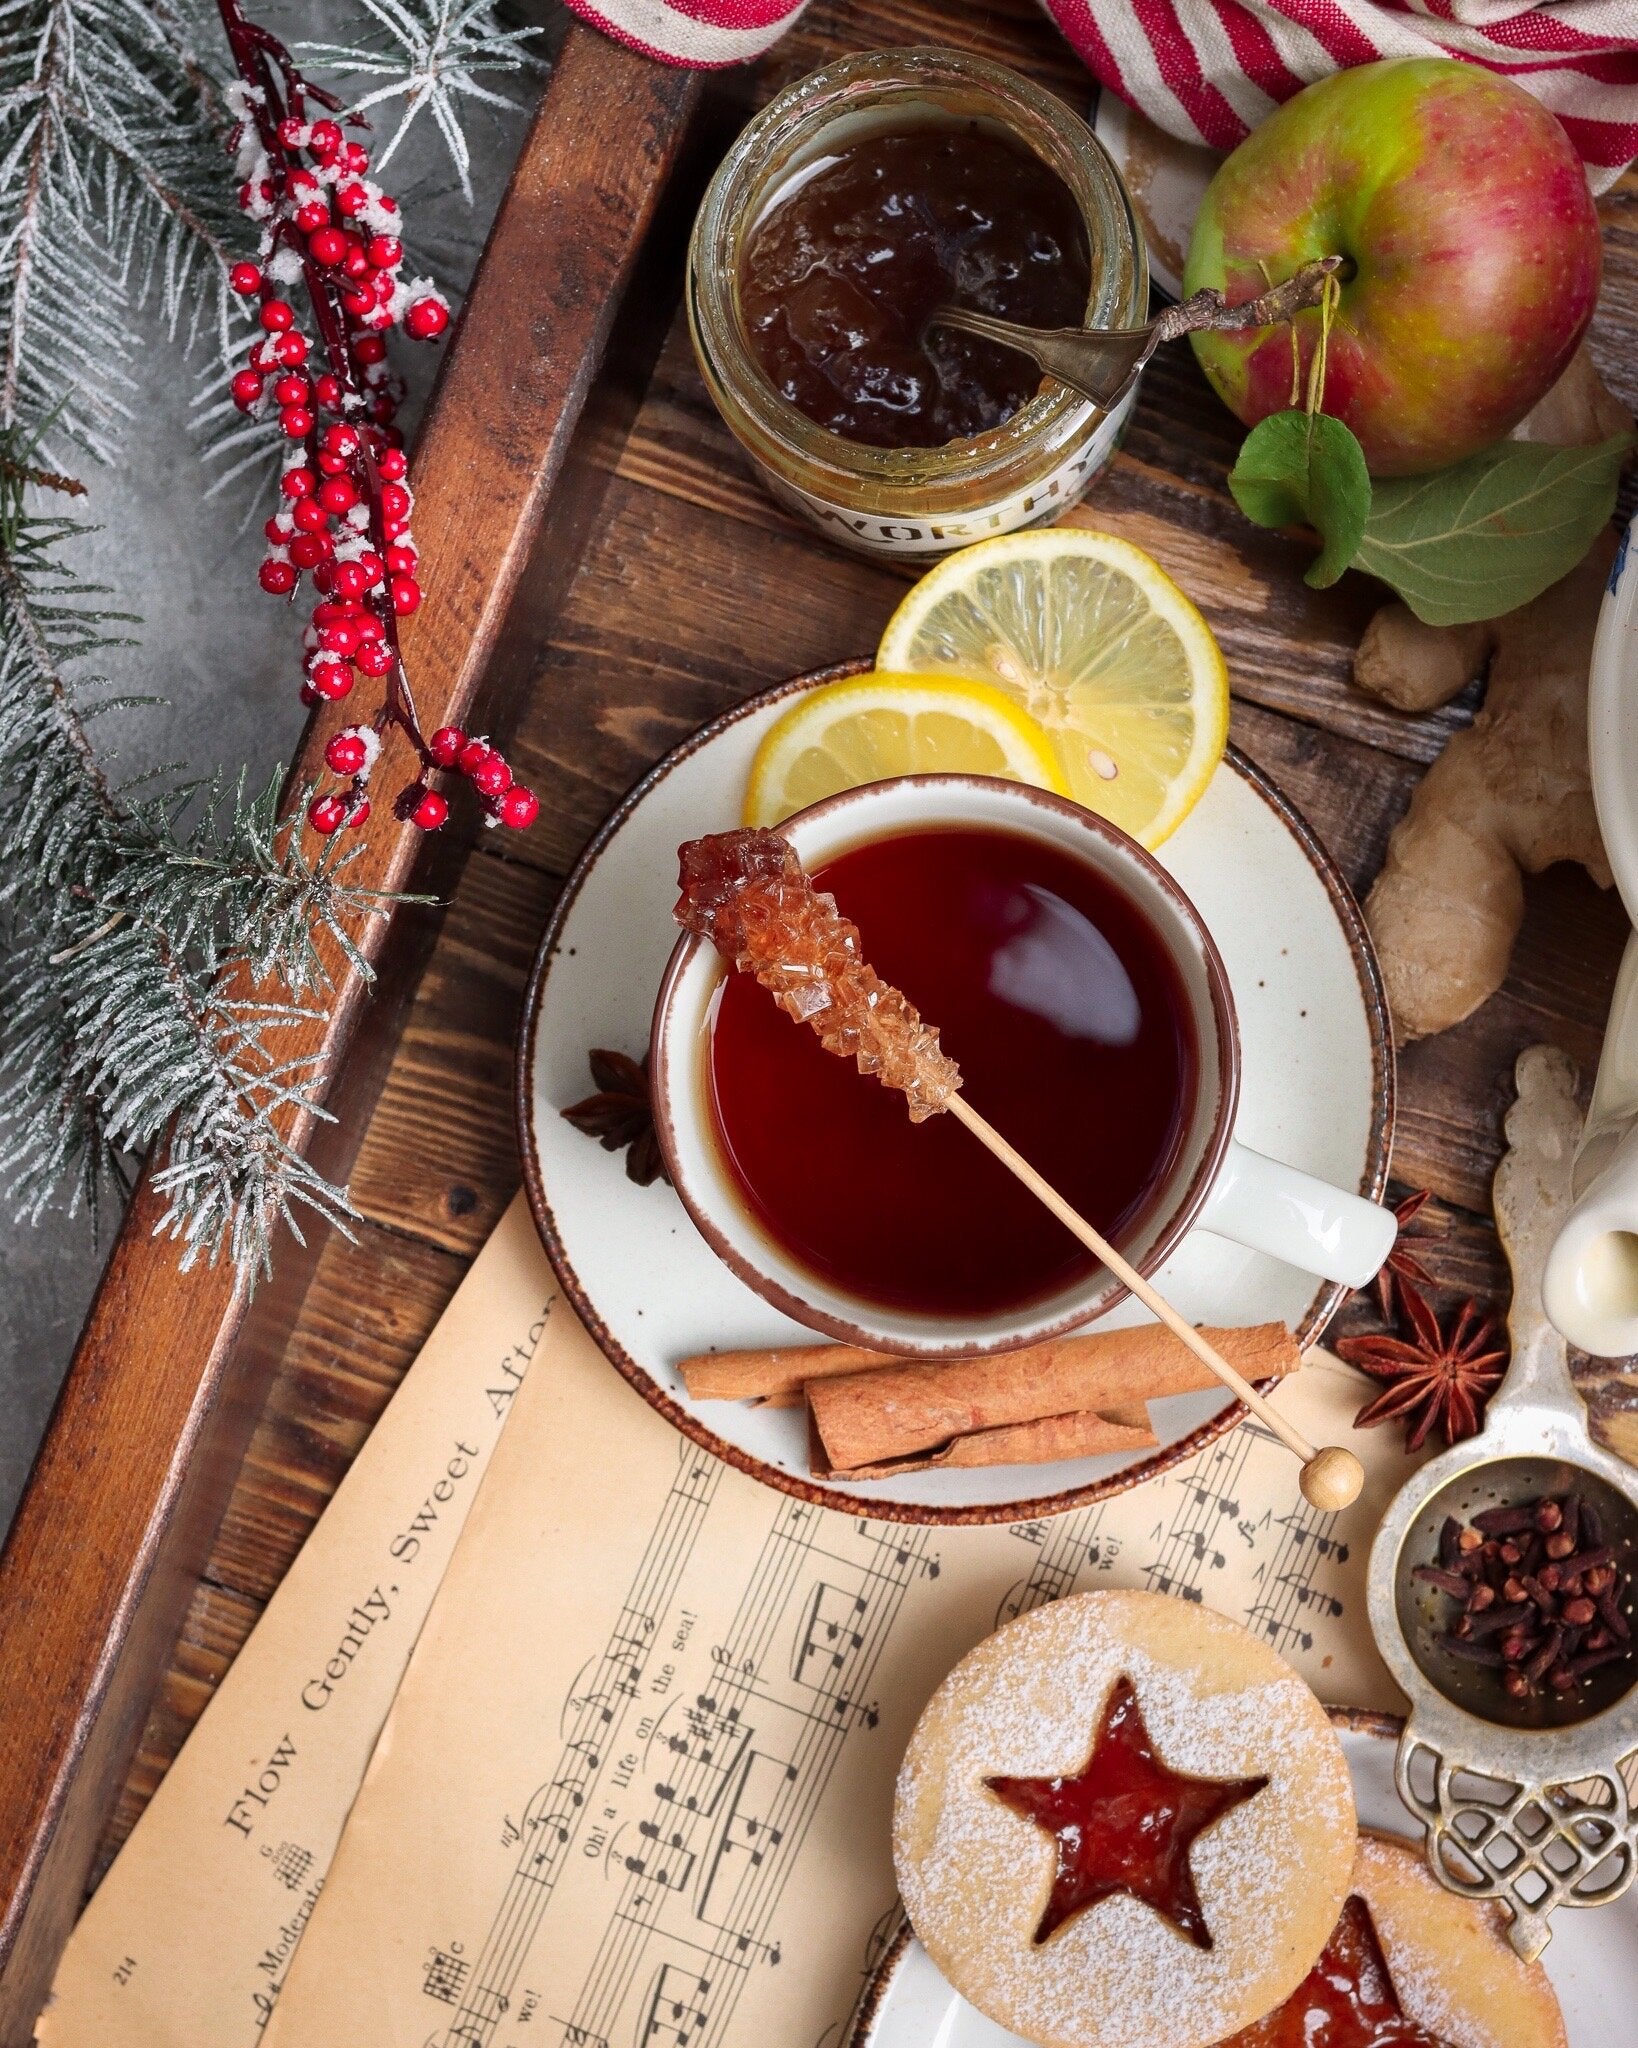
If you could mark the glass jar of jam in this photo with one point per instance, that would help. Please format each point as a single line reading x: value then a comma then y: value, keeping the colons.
x: 856, y: 202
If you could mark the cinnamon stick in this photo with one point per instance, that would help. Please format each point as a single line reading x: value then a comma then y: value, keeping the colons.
x: 905, y: 1410
x: 1045, y: 1442
x: 776, y: 1378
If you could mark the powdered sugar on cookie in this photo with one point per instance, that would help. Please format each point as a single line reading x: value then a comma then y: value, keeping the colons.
x: 1271, y: 1873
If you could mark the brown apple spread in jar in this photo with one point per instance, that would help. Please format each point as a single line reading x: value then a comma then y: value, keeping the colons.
x: 844, y: 273
x: 857, y: 202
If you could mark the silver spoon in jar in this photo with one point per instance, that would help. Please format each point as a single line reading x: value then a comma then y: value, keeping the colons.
x: 1100, y: 362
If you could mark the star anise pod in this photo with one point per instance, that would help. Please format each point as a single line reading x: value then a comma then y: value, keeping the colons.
x: 1435, y: 1376
x: 1402, y: 1263
x: 620, y: 1116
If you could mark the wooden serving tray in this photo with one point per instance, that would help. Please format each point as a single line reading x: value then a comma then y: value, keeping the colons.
x: 604, y: 575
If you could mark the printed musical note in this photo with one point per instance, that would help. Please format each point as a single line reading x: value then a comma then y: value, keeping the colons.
x: 676, y: 2014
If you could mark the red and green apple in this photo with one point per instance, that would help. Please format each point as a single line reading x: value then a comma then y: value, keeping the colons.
x: 1471, y: 256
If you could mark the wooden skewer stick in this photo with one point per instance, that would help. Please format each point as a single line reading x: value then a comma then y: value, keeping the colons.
x: 1331, y: 1477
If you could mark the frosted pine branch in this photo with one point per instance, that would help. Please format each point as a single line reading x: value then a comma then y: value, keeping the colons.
x: 156, y: 951
x: 111, y: 196
x: 428, y: 53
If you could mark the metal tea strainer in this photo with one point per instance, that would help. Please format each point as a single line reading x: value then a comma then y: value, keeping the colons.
x: 1523, y: 1801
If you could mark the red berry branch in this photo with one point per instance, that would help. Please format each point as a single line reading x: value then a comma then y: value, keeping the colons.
x: 344, y: 519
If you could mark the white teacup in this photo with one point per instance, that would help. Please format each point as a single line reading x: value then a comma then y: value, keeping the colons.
x: 1214, y: 1184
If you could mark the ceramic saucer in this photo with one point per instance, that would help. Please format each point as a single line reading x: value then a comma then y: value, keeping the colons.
x: 1592, y: 1958
x: 1317, y: 1092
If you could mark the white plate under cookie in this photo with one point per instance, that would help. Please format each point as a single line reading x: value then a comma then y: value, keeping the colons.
x: 1592, y: 1958
x: 1317, y: 1091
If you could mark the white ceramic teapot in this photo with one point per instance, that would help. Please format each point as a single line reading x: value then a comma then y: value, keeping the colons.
x: 1590, y: 1289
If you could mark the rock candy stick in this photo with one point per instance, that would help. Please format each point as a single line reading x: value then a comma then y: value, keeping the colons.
x: 748, y: 894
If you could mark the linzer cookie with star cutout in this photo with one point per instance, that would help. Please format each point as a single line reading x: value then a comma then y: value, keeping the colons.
x: 1124, y: 1822
x: 1410, y: 1965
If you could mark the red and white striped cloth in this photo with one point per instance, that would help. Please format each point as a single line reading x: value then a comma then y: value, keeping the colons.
x: 1209, y: 70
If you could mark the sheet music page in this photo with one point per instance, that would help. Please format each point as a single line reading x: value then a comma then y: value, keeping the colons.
x: 636, y: 1787
x: 186, y: 1941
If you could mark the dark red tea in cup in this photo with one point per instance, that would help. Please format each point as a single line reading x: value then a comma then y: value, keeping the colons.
x: 1072, y: 1028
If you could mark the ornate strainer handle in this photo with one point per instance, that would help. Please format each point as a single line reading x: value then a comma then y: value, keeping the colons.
x: 1533, y: 1847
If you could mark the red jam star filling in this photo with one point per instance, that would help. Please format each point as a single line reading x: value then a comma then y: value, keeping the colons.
x: 1346, y: 2001
x: 1125, y: 1823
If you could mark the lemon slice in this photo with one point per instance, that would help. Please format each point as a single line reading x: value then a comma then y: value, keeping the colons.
x: 876, y: 726
x: 1093, y: 639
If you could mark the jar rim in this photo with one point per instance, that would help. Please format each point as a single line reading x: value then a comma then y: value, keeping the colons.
x: 800, y: 114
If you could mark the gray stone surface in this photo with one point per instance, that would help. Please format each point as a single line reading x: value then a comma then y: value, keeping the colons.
x: 223, y: 656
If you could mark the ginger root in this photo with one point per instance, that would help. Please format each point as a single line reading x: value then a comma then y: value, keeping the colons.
x: 1513, y: 793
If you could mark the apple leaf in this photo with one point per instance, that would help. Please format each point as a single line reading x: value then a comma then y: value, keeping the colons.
x: 1487, y: 535
x: 1306, y: 468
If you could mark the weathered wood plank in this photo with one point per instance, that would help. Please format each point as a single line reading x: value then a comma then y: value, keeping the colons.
x: 213, y: 1632
x: 439, y: 1158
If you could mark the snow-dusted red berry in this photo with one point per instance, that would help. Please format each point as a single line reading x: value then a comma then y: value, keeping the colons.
x: 401, y: 560
x: 492, y: 777
x: 331, y: 680
x: 472, y: 756
x: 359, y: 812
x: 349, y: 580
x: 309, y: 515
x: 297, y: 483
x: 247, y: 388
x: 312, y: 216
x: 338, y: 493
x: 327, y: 814
x: 445, y: 745
x: 426, y: 318
x: 391, y: 462
x: 376, y: 658
x: 292, y: 349
x: 329, y: 390
x: 291, y: 389
x: 339, y: 636
x: 341, y: 439
x: 326, y: 245
x: 325, y: 138
x: 430, y: 812
x: 386, y: 252
x: 351, y: 200
x: 277, y: 315
x: 278, y: 579
x: 296, y: 421
x: 346, y: 753
x: 406, y: 595
x: 245, y: 278
x: 519, y: 808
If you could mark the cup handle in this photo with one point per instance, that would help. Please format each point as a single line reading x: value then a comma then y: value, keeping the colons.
x: 1269, y: 1207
